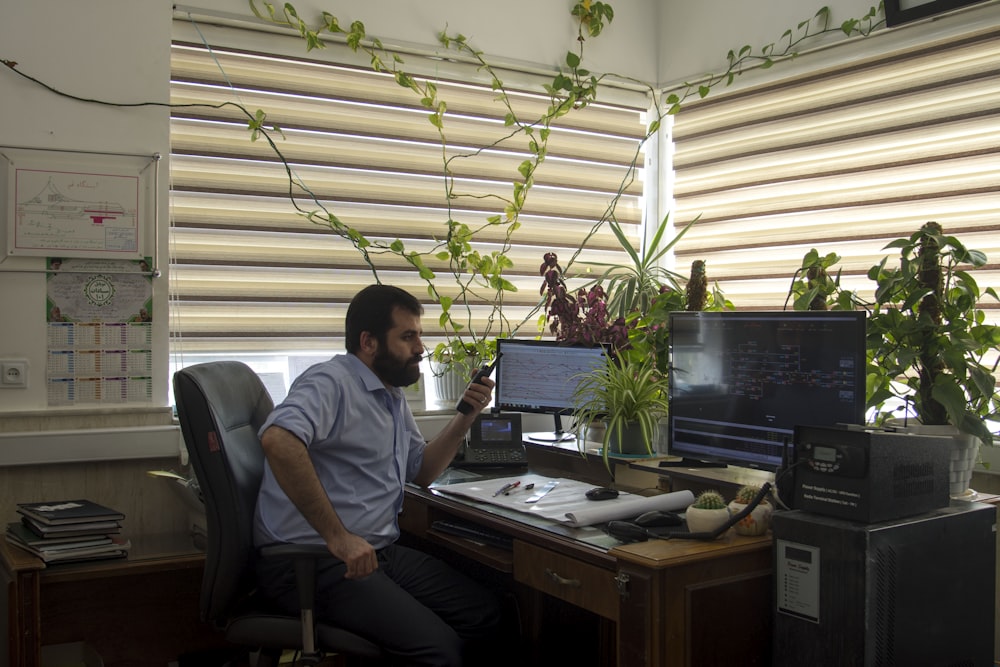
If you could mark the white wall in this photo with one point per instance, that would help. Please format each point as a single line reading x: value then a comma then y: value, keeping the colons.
x: 114, y: 50
x: 531, y: 31
x: 694, y: 37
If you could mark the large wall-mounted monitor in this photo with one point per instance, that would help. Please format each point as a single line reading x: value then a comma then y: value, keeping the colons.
x: 541, y: 376
x: 740, y: 382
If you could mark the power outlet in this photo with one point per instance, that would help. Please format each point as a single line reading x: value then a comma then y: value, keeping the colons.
x: 14, y: 373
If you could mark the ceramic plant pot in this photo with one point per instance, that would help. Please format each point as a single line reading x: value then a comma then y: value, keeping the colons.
x: 449, y: 383
x: 705, y: 521
x: 630, y: 443
x: 755, y: 523
x: 964, y: 454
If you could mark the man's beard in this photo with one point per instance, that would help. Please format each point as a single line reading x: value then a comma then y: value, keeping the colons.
x: 394, y: 371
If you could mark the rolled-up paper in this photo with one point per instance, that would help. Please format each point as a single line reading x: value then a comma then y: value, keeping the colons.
x: 628, y: 507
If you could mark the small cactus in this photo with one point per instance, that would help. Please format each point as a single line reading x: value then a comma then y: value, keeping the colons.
x: 746, y: 494
x: 709, y: 500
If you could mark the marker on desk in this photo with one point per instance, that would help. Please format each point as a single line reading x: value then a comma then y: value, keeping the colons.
x: 512, y: 487
x: 505, y: 488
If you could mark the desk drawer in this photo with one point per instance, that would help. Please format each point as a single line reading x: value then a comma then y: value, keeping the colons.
x: 586, y: 586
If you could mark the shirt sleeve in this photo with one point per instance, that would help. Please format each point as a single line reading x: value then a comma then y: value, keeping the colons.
x: 309, y: 412
x: 416, y: 445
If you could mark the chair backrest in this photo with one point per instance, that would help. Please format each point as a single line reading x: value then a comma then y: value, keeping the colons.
x: 221, y: 405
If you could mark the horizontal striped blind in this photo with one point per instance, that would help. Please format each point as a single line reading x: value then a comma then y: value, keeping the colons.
x: 249, y: 274
x: 844, y: 160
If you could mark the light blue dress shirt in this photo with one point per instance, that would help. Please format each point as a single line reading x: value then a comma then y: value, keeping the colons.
x: 362, y: 440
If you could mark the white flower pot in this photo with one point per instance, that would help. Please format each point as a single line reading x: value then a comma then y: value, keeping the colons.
x: 705, y: 521
x: 964, y: 454
x: 449, y: 383
x: 755, y: 523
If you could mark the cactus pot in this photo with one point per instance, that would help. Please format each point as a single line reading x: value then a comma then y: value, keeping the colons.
x: 705, y: 521
x: 755, y: 523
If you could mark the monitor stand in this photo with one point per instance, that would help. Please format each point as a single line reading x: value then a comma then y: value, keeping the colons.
x: 558, y: 435
x: 692, y: 463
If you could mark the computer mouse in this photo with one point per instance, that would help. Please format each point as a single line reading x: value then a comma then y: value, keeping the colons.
x: 657, y: 518
x: 601, y: 493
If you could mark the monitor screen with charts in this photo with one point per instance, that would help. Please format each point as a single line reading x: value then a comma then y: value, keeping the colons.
x: 740, y: 382
x: 541, y: 376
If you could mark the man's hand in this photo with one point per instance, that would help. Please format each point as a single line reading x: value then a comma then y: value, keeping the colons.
x: 357, y: 554
x: 478, y: 394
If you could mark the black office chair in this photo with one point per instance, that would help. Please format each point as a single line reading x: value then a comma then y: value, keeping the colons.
x: 221, y: 406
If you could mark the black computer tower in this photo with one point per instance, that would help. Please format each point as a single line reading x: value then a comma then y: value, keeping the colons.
x: 913, y: 591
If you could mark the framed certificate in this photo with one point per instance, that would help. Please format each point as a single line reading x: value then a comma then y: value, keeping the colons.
x: 75, y: 204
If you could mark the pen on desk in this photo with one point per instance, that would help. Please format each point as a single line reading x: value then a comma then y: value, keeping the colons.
x: 504, y: 489
x: 511, y: 487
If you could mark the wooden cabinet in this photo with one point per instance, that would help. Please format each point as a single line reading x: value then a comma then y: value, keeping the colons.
x: 137, y: 611
x: 696, y: 603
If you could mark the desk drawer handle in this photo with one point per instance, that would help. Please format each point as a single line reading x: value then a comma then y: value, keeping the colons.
x: 562, y: 581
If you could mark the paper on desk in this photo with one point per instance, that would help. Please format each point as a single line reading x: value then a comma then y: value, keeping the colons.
x: 567, y: 502
x: 628, y: 506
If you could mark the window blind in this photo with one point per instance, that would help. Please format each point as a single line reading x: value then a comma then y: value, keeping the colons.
x: 843, y: 159
x: 249, y: 274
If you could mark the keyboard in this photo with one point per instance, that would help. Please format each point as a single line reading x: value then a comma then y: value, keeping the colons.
x: 474, y: 532
x: 494, y: 457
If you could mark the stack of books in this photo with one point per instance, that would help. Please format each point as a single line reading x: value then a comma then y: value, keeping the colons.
x: 69, y: 530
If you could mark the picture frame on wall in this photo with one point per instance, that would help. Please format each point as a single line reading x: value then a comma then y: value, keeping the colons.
x: 56, y: 203
x: 903, y: 11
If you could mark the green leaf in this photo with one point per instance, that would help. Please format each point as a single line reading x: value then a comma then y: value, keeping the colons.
x: 947, y: 392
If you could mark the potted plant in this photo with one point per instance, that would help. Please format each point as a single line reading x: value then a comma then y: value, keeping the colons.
x: 629, y: 398
x: 454, y: 362
x: 707, y: 512
x: 759, y: 519
x: 929, y: 343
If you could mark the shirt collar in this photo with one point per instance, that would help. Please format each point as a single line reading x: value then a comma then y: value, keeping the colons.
x: 368, y: 377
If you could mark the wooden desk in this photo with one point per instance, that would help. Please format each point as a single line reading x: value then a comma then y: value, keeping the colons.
x: 142, y: 610
x: 669, y: 603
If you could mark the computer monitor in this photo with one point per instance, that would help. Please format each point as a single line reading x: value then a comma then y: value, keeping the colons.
x: 541, y: 376
x: 739, y: 382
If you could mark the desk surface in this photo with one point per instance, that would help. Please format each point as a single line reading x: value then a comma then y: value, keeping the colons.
x: 652, y: 553
x: 728, y: 475
x: 147, y: 554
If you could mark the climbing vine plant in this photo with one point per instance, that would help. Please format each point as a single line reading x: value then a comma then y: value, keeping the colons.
x: 479, y: 276
x: 574, y: 87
